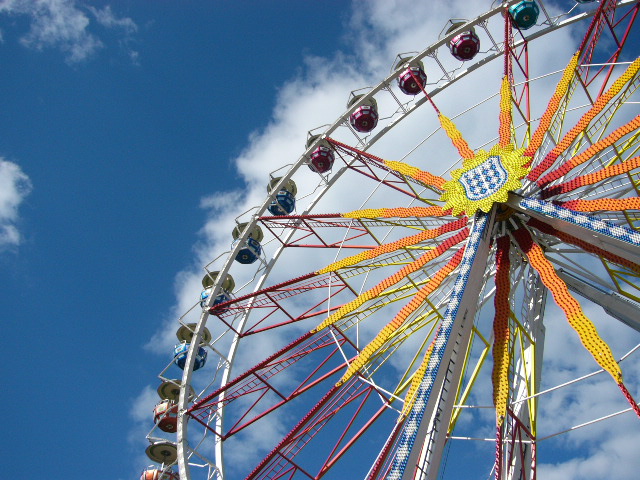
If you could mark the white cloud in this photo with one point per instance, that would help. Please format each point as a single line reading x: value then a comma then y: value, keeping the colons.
x: 108, y: 19
x: 317, y: 96
x: 142, y: 410
x: 616, y: 457
x: 14, y: 188
x: 64, y: 25
x: 141, y: 414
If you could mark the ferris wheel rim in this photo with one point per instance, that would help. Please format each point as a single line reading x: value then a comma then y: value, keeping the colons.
x: 183, y: 448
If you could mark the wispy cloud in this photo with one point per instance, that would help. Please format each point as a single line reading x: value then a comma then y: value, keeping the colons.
x: 14, y: 187
x: 108, y: 19
x: 65, y: 25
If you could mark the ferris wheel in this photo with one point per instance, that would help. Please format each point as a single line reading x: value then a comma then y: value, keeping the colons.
x: 383, y: 313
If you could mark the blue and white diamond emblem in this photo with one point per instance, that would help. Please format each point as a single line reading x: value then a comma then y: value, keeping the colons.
x: 485, y: 179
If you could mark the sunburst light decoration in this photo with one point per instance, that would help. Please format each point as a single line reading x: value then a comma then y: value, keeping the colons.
x: 485, y: 180
x: 506, y: 178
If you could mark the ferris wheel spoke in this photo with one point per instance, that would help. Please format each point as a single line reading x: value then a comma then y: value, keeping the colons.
x: 516, y: 435
x: 318, y: 231
x: 261, y: 390
x: 581, y: 127
x: 280, y: 305
x: 388, y: 333
x: 619, y: 276
x: 620, y: 307
x: 590, y: 152
x: 606, y: 174
x: 360, y: 229
x: 343, y: 408
x: 581, y: 324
x: 373, y: 167
x: 619, y: 240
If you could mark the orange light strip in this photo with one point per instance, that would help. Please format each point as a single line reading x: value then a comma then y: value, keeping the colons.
x: 583, y: 123
x: 393, y: 279
x: 500, y: 374
x: 590, y: 179
x: 600, y: 145
x: 414, y: 172
x: 552, y: 107
x: 393, y: 246
x: 505, y: 112
x: 401, y: 212
x: 418, y: 299
x: 587, y: 247
x: 456, y: 137
x: 610, y: 204
x: 569, y: 305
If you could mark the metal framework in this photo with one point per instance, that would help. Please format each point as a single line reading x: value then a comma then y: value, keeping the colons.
x: 344, y: 376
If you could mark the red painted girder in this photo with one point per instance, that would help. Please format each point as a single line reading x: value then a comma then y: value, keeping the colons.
x: 520, y: 63
x: 516, y: 444
x: 604, y: 21
x: 314, y: 230
x: 255, y: 384
x: 284, y: 459
x: 331, y: 230
x: 273, y: 306
x: 370, y: 166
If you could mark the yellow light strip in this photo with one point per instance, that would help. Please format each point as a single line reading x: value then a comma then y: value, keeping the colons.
x: 552, y: 107
x: 388, y: 330
x: 393, y: 246
x: 393, y: 279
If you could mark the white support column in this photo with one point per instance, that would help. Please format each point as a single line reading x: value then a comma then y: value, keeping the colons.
x: 424, y: 433
x: 622, y: 308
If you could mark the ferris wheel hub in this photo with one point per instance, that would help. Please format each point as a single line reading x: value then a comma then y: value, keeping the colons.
x: 485, y: 180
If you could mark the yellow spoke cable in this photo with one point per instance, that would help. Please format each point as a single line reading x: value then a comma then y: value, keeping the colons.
x: 600, y: 145
x: 393, y: 246
x: 410, y: 398
x: 583, y: 123
x: 500, y: 374
x: 592, y: 178
x: 608, y: 204
x: 505, y: 112
x: 401, y: 212
x: 456, y: 137
x: 418, y: 299
x: 414, y: 172
x: 393, y: 279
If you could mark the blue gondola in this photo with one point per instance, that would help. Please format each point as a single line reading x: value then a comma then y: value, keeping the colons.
x: 251, y: 248
x: 180, y: 356
x: 284, y: 201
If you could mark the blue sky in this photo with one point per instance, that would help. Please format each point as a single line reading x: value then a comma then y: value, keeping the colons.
x: 115, y: 132
x: 127, y: 131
